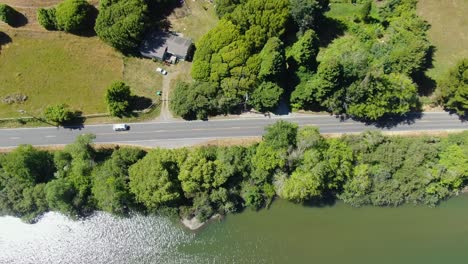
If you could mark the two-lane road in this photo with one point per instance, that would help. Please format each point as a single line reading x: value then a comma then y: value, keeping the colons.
x: 187, y: 133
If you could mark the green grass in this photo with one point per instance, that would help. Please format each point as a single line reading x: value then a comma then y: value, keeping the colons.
x: 343, y: 11
x: 448, y: 32
x: 141, y: 76
x: 52, y: 68
x: 194, y: 19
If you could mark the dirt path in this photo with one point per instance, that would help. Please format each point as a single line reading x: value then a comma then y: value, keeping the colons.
x: 166, y: 114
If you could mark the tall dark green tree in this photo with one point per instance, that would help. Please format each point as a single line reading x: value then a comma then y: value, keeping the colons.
x: 118, y: 97
x: 121, y: 23
x: 454, y: 88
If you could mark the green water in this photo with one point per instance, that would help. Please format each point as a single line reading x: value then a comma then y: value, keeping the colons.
x: 289, y: 233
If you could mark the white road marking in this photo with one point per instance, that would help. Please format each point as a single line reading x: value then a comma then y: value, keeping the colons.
x: 14, y: 137
x: 50, y: 136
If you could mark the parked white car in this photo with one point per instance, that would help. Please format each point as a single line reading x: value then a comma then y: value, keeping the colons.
x: 161, y: 70
x: 120, y: 127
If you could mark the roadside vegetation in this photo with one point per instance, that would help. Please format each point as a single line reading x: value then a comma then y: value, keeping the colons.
x: 365, y: 59
x: 299, y: 165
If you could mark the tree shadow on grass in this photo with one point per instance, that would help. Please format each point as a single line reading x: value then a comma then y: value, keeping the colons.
x: 426, y: 85
x: 140, y: 103
x: 18, y: 20
x: 331, y: 29
x: 4, y: 39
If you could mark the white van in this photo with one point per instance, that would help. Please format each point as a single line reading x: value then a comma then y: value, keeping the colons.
x: 120, y: 127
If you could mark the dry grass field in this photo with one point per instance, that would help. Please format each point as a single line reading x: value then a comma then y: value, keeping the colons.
x: 448, y: 33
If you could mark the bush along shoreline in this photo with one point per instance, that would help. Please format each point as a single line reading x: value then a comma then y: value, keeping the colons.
x: 198, y: 184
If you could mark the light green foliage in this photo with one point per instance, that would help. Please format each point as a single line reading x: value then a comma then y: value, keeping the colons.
x: 265, y: 161
x: 58, y: 113
x: 72, y: 15
x: 339, y: 158
x: 357, y: 189
x: 272, y: 60
x: 110, y: 181
x: 309, y: 180
x: 309, y: 137
x: 121, y: 23
x: 378, y: 95
x: 454, y: 163
x: 118, y: 97
x: 367, y: 73
x: 202, y: 172
x: 153, y: 180
x: 242, y: 51
x: 454, y: 88
x: 308, y: 14
x: 266, y: 96
x: 47, y: 18
x: 365, y: 11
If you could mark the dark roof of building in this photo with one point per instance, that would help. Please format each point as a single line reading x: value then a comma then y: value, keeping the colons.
x: 158, y: 43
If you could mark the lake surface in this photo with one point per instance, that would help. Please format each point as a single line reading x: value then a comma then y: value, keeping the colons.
x: 286, y: 233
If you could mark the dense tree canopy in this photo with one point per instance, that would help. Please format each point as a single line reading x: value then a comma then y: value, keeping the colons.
x: 297, y: 164
x: 307, y: 14
x: 121, y: 23
x: 454, y: 88
x: 70, y: 15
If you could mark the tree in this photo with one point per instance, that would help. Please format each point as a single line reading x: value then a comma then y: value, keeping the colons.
x: 110, y: 181
x: 307, y: 14
x: 59, y: 195
x: 153, y: 179
x: 309, y: 180
x: 281, y: 135
x: 223, y: 7
x: 118, y: 97
x: 266, y: 96
x: 365, y: 11
x: 454, y: 88
x: 272, y: 59
x: 202, y: 172
x: 305, y: 50
x: 121, y: 23
x: 32, y: 165
x: 379, y: 95
x: 74, y: 167
x: 194, y: 101
x: 7, y: 14
x: 58, y: 113
x: 73, y: 15
x: 47, y: 18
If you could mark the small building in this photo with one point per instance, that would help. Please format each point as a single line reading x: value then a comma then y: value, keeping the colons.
x: 166, y: 46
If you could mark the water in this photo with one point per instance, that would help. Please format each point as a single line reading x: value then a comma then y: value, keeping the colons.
x: 286, y: 233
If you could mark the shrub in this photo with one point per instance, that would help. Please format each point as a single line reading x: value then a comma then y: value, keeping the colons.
x: 58, y: 113
x: 118, y: 98
x: 7, y: 14
x: 47, y: 18
x: 73, y: 15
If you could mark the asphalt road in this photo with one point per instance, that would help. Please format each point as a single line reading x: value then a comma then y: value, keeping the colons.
x: 180, y: 133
